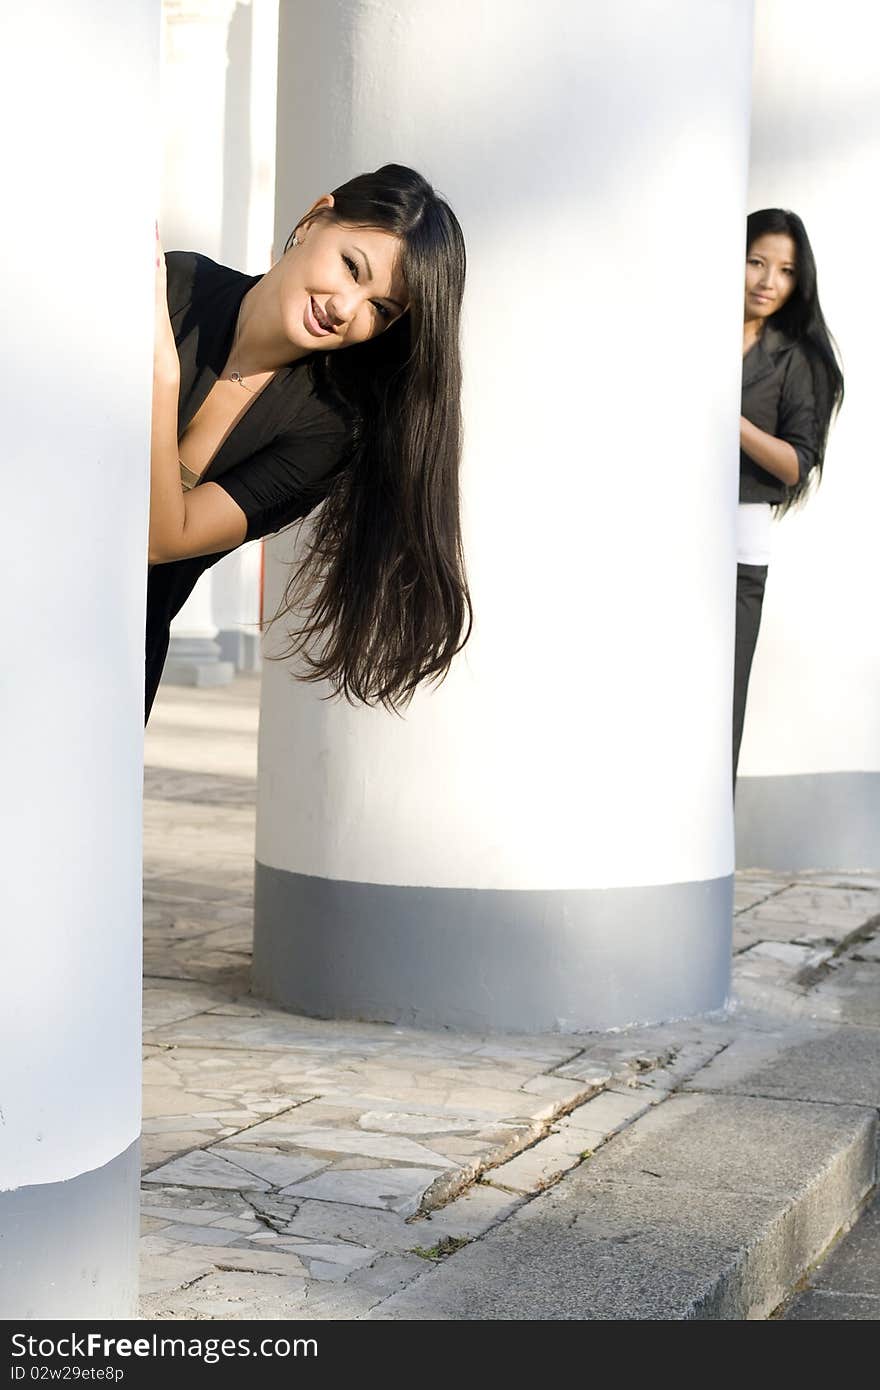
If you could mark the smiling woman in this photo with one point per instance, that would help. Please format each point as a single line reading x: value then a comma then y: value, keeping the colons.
x: 259, y: 417
x: 792, y: 386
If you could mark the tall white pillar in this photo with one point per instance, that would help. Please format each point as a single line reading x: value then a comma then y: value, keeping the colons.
x: 218, y: 104
x: 79, y: 92
x: 546, y: 841
x: 808, y: 794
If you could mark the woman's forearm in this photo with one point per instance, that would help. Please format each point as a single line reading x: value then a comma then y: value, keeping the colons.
x: 167, y: 505
x: 775, y: 455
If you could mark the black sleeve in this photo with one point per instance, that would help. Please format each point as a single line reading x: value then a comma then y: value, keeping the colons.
x: 180, y: 274
x: 288, y: 478
x: 797, y: 411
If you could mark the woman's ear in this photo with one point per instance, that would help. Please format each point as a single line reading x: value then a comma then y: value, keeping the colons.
x: 325, y: 201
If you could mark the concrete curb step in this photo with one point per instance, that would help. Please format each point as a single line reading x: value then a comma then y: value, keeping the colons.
x: 712, y: 1204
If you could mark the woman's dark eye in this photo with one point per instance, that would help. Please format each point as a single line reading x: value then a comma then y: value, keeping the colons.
x: 352, y: 267
x: 386, y: 313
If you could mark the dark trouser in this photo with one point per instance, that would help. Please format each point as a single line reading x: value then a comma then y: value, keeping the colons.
x: 750, y: 581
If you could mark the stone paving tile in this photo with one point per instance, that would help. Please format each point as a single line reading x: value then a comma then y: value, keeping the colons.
x: 418, y: 1124
x: 395, y: 1148
x: 201, y: 1169
x: 171, y: 784
x: 532, y: 1170
x: 467, y: 1216
x: 232, y: 1295
x: 168, y: 1002
x: 201, y: 1235
x: 387, y: 1274
x: 221, y: 968
x: 331, y: 1260
x: 390, y: 1189
x: 816, y: 906
x: 340, y: 1221
x: 611, y: 1110
x: 274, y: 1030
x: 276, y: 1168
x: 157, y: 1149
x: 748, y: 892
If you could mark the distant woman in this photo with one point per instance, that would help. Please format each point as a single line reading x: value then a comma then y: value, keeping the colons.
x: 333, y: 380
x: 792, y: 386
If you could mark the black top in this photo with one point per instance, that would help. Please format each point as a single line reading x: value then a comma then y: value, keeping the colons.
x: 274, y: 463
x: 777, y: 396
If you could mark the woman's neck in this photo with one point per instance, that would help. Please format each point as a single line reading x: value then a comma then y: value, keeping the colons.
x: 752, y: 330
x: 261, y: 345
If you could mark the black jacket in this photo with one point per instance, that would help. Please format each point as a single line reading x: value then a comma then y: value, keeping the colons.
x: 276, y: 460
x: 777, y: 396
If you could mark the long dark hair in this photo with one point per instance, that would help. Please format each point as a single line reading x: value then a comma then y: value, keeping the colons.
x: 801, y: 318
x: 381, y: 587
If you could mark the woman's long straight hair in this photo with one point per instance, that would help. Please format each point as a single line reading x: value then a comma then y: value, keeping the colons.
x: 381, y: 587
x: 801, y: 318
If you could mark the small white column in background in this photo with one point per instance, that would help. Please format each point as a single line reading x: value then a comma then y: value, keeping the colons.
x: 808, y: 793
x: 218, y: 89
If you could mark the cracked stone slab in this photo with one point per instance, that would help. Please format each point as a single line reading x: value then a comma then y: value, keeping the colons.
x: 612, y: 1109
x: 202, y: 1169
x: 532, y: 1170
x: 363, y: 1144
x: 332, y: 1259
x: 366, y: 1226
x: 466, y: 1217
x: 390, y: 1189
x: 275, y: 1168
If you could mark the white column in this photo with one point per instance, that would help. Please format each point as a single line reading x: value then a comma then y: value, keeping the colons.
x: 79, y: 96
x: 195, y: 69
x: 546, y: 841
x: 808, y: 794
x: 219, y: 90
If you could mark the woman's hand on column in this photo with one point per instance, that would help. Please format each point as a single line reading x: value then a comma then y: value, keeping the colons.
x: 166, y: 363
x: 167, y: 507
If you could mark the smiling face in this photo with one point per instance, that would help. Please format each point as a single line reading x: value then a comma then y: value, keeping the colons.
x: 771, y: 274
x: 341, y: 285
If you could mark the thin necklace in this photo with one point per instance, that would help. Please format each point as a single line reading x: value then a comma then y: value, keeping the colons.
x: 237, y: 376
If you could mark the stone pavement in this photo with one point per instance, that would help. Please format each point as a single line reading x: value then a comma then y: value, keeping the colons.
x: 845, y: 1287
x: 297, y: 1167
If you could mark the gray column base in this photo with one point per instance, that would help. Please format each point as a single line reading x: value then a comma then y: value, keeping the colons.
x: 70, y: 1249
x: 241, y: 648
x: 196, y: 661
x: 820, y: 820
x: 477, y: 959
